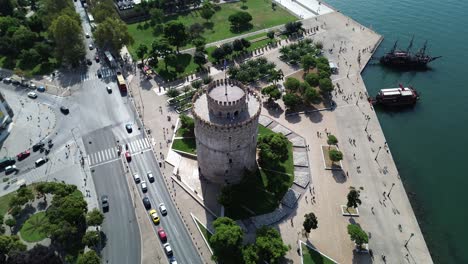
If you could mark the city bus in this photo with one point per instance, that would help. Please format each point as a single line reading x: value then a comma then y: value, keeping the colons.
x: 121, y: 83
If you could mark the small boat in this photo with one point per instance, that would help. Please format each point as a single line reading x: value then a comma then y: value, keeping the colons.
x: 402, y: 96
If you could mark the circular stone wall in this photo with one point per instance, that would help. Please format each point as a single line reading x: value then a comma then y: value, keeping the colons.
x: 226, y: 127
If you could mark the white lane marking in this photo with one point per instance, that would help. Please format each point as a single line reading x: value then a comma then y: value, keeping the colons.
x: 102, y: 163
x: 145, y: 143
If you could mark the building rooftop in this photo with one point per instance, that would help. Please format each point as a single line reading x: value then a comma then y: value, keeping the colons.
x: 226, y: 93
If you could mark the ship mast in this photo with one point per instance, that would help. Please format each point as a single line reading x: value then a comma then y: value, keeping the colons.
x: 394, y: 47
x: 423, y: 49
x: 410, y: 45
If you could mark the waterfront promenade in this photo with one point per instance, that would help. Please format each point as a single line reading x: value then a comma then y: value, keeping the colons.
x: 367, y: 165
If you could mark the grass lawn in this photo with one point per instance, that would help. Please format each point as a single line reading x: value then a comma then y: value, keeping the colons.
x: 310, y: 256
x: 30, y: 231
x: 4, y: 200
x: 219, y: 27
x: 186, y: 145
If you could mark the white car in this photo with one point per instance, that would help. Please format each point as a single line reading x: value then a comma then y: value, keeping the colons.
x: 32, y: 86
x: 162, y: 209
x: 10, y: 169
x: 150, y: 176
x: 87, y: 35
x: 32, y: 95
x: 136, y: 177
x: 167, y: 249
x: 108, y: 89
x: 144, y: 187
x: 91, y: 47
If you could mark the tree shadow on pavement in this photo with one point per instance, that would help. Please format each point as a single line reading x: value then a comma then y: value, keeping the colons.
x: 293, y: 119
x: 315, y: 117
x: 339, y: 176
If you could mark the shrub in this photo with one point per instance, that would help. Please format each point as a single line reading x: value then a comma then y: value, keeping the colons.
x: 172, y: 92
x: 312, y: 79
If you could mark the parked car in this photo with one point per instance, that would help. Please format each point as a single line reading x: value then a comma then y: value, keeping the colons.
x: 41, y: 89
x: 10, y: 169
x: 23, y: 155
x: 167, y: 249
x: 146, y: 202
x: 38, y: 146
x: 162, y: 209
x: 40, y: 161
x: 7, y: 80
x: 108, y: 89
x: 96, y: 58
x: 90, y: 46
x: 144, y: 187
x: 154, y: 216
x: 162, y: 235
x: 15, y: 82
x: 150, y: 176
x: 172, y: 260
x: 32, y: 86
x: 64, y: 110
x: 105, y: 203
x: 32, y: 95
x: 99, y: 74
x: 87, y: 35
x: 136, y: 177
x: 89, y: 62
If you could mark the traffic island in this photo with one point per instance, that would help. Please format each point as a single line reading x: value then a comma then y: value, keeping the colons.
x: 349, y: 211
x: 327, y: 162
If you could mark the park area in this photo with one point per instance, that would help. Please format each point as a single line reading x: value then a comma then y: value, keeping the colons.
x: 218, y: 28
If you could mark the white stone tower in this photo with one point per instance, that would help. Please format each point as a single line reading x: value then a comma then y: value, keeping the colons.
x: 226, y: 123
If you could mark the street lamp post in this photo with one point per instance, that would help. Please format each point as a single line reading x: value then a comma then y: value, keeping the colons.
x: 407, y: 241
x: 388, y: 195
x: 376, y: 156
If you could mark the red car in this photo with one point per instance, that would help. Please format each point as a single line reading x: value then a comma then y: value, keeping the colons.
x: 23, y: 155
x: 162, y: 235
x: 96, y: 58
x: 128, y: 156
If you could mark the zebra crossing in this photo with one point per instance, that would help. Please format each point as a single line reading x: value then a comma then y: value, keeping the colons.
x: 104, y: 71
x: 110, y: 154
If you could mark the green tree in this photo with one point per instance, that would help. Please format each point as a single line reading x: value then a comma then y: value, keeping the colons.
x: 239, y: 21
x: 312, y: 79
x: 199, y: 44
x: 207, y: 12
x: 292, y: 84
x: 332, y: 140
x: 249, y: 254
x: 90, y: 257
x: 308, y: 62
x: 293, y: 27
x: 68, y: 38
x: 353, y: 199
x: 310, y: 222
x: 10, y: 244
x: 160, y: 49
x: 271, y: 35
x: 291, y: 101
x: 188, y: 124
x: 227, y: 48
x: 218, y: 54
x: 24, y: 38
x: 357, y: 235
x: 103, y: 10
x: 6, y: 7
x: 195, y: 30
x: 226, y: 242
x: 325, y: 85
x: 10, y: 222
x: 176, y: 34
x: 113, y: 33
x: 273, y: 148
x: 156, y: 16
x: 94, y: 218
x: 39, y: 254
x: 91, y: 238
x: 199, y: 58
x: 270, y: 245
x: 311, y: 95
x: 237, y: 45
x: 275, y: 76
x: 273, y: 93
x: 141, y: 52
x: 335, y: 155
